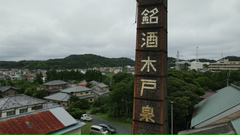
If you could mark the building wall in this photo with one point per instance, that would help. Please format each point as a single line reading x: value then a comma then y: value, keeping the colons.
x: 75, y: 131
x: 83, y: 93
x: 224, y: 64
x: 99, y: 89
x: 9, y: 93
x: 47, y: 87
x: 61, y: 103
x: 17, y: 110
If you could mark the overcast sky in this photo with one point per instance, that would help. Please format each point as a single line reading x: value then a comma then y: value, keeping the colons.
x: 47, y: 29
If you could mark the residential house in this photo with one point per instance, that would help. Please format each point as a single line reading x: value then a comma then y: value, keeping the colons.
x: 221, y: 107
x: 1, y: 76
x: 23, y: 77
x: 55, y: 86
x: 20, y: 103
x: 16, y: 77
x: 25, y: 71
x: 31, y: 77
x: 117, y: 70
x: 7, y: 77
x: 131, y: 70
x: 55, y: 120
x: 99, y: 89
x: 7, y: 91
x: 62, y: 97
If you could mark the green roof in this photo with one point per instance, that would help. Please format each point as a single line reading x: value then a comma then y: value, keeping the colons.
x: 223, y: 100
x: 236, y: 125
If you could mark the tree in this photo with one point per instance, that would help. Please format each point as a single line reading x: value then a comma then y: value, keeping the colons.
x: 41, y: 93
x: 184, y: 92
x: 73, y: 98
x: 38, y: 78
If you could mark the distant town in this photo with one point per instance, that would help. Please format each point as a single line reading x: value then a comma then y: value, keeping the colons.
x: 32, y: 93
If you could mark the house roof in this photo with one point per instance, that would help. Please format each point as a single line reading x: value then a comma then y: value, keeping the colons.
x: 5, y: 88
x: 101, y: 93
x: 101, y: 85
x: 75, y: 89
x: 208, y: 94
x: 55, y: 82
x: 58, y: 97
x: 236, y: 125
x: 21, y: 100
x: 222, y: 128
x: 82, y: 83
x: 212, y: 106
x: 37, y: 122
x: 86, y: 96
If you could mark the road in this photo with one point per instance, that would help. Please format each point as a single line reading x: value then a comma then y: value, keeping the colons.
x: 120, y: 129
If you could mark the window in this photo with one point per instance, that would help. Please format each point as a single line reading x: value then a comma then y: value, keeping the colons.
x: 11, y: 113
x: 86, y: 92
x: 90, y: 99
x: 23, y: 110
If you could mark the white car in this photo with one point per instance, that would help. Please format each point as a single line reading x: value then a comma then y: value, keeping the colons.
x: 97, y: 130
x: 85, y: 117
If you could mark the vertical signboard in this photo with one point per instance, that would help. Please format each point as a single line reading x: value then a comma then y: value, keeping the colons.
x: 150, y: 80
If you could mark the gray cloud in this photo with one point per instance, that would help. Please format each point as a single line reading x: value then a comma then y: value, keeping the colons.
x: 43, y: 29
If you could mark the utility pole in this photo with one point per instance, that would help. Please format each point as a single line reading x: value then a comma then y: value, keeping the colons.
x: 172, y: 117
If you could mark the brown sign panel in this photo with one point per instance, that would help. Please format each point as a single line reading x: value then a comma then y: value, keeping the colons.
x: 150, y: 81
x: 152, y: 39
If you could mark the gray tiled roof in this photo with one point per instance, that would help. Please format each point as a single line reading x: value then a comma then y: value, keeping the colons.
x: 86, y: 96
x: 5, y: 88
x: 19, y: 100
x: 58, y: 97
x: 101, y: 85
x: 101, y: 93
x: 75, y: 89
x: 55, y: 82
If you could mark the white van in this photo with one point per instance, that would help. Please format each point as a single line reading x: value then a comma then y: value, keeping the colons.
x: 97, y: 130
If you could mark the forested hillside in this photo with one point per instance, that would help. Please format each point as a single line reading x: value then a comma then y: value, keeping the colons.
x: 70, y: 62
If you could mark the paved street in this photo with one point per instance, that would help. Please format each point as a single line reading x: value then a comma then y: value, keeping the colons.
x: 120, y: 129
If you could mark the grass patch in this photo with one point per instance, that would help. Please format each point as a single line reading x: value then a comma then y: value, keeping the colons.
x: 114, y: 120
x: 86, y: 129
x: 109, y: 74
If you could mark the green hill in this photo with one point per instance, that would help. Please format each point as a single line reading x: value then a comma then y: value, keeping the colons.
x: 70, y: 62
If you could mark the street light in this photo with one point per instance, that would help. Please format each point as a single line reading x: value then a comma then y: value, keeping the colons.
x: 172, y: 117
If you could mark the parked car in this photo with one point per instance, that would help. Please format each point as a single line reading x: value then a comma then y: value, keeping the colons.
x: 85, y: 117
x: 109, y: 128
x: 97, y: 130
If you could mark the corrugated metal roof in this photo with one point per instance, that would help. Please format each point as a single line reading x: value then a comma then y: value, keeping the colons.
x: 236, y: 125
x: 223, y: 100
x: 41, y: 123
x: 58, y: 97
x: 67, y: 120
